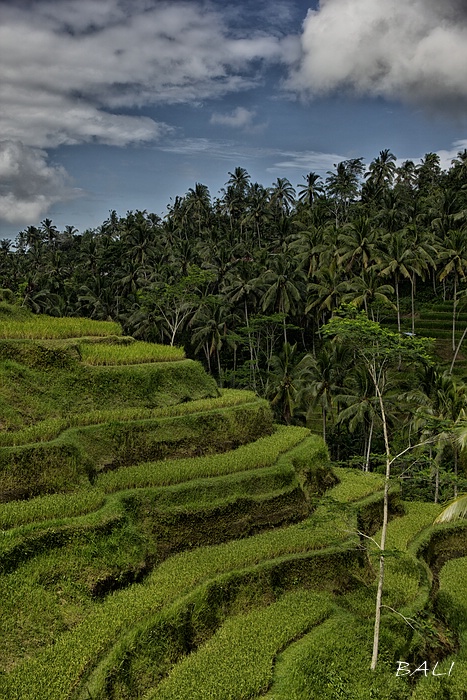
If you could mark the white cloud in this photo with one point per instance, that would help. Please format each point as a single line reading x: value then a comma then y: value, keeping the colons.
x: 28, y: 184
x: 70, y: 68
x: 447, y: 156
x: 414, y: 50
x: 238, y: 119
x: 76, y: 71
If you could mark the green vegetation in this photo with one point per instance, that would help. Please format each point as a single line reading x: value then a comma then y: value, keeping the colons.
x: 263, y: 453
x: 237, y: 661
x: 129, y: 354
x: 43, y: 327
x: 61, y: 388
x: 51, y: 428
x: 161, y: 537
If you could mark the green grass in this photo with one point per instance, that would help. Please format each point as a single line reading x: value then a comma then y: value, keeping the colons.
x: 50, y: 507
x: 50, y: 428
x: 237, y: 661
x: 74, y: 459
x: 61, y: 664
x: 331, y: 662
x: 129, y: 354
x: 42, y: 327
x: 30, y: 394
x: 238, y: 606
x: 355, y: 484
x: 262, y: 452
x: 453, y: 600
x: 403, y: 572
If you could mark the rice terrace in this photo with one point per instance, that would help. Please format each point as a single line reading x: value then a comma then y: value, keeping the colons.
x: 163, y: 538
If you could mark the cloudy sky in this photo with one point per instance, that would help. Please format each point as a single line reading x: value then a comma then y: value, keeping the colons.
x: 124, y: 104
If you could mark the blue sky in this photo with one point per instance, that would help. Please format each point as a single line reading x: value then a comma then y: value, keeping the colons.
x: 125, y: 104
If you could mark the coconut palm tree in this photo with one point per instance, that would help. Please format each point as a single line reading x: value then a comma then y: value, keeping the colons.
x: 282, y: 196
x: 367, y: 290
x: 396, y: 261
x: 285, y: 380
x: 198, y: 204
x: 284, y: 287
x: 311, y: 190
x: 322, y: 377
x: 343, y: 185
x: 456, y: 509
x: 326, y: 293
x: 380, y: 175
x: 360, y: 408
x: 357, y: 244
x: 454, y: 256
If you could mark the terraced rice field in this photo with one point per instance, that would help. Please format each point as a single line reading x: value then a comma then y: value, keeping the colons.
x: 197, y: 551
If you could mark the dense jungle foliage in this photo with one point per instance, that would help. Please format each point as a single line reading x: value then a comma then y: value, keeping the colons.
x: 246, y: 281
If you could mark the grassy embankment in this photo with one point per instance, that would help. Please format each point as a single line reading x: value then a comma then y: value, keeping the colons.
x: 234, y: 567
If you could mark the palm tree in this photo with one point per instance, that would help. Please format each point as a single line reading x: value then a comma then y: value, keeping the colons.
x: 456, y: 509
x: 234, y: 197
x: 258, y: 210
x: 406, y: 175
x: 241, y: 287
x: 209, y: 330
x: 396, y: 261
x: 321, y: 381
x: 285, y: 287
x: 282, y: 196
x: 420, y: 259
x: 367, y: 289
x: 198, y: 203
x: 380, y: 175
x: 357, y: 244
x: 361, y: 408
x: 428, y: 174
x: 343, y: 185
x: 326, y: 293
x: 454, y: 253
x: 285, y: 379
x: 49, y: 231
x: 442, y: 404
x: 313, y: 188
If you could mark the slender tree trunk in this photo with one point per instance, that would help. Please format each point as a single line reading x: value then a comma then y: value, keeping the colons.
x: 252, y: 371
x: 396, y: 285
x: 454, y: 309
x: 285, y: 330
x: 379, y: 594
x: 208, y: 356
x: 219, y: 368
x: 412, y: 299
x: 455, y: 469
x: 457, y: 350
x: 370, y: 437
x: 234, y: 365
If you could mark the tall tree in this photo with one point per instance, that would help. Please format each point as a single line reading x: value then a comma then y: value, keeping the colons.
x: 454, y: 256
x: 343, y: 186
x: 311, y: 190
x: 377, y: 350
